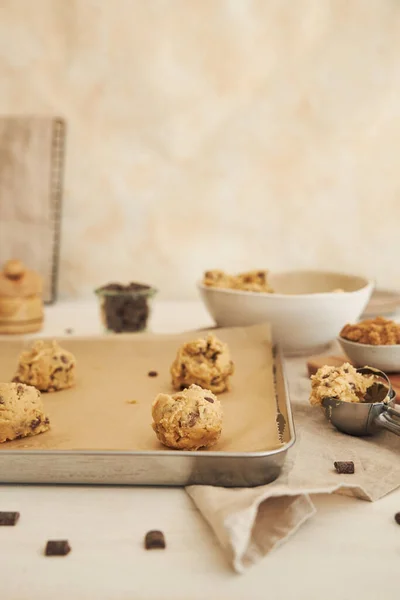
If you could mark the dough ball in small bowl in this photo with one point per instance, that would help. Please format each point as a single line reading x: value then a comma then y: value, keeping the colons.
x: 188, y: 420
x: 205, y: 362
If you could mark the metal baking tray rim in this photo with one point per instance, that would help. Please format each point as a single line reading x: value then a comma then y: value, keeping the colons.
x: 104, y: 467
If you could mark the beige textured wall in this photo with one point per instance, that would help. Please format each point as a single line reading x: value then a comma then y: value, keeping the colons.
x: 215, y: 133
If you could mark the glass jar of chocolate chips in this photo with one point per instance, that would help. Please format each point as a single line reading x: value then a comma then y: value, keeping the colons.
x: 125, y: 308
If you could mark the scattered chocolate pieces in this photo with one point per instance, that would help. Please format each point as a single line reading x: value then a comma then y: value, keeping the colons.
x: 154, y: 539
x: 8, y: 518
x: 397, y: 518
x: 152, y: 373
x: 209, y: 399
x: 344, y: 467
x: 57, y: 548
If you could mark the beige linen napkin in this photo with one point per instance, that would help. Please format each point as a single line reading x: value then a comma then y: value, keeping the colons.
x: 249, y: 522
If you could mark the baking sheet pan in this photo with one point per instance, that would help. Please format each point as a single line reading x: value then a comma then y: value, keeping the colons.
x: 101, y: 429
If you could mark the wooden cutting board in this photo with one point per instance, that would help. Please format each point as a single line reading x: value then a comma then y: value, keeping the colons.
x: 315, y: 362
x: 382, y: 303
x: 31, y: 168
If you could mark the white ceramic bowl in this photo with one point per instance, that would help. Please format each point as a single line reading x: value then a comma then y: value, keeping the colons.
x: 304, y: 312
x: 385, y: 358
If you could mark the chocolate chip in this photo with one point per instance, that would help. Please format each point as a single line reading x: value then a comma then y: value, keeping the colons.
x: 112, y: 287
x: 133, y: 287
x: 324, y: 376
x: 8, y: 518
x: 35, y: 423
x: 214, y: 356
x: 397, y: 518
x: 63, y: 359
x: 57, y: 548
x: 20, y: 389
x: 152, y: 373
x: 192, y: 418
x: 47, y: 421
x: 154, y: 540
x: 346, y: 369
x: 214, y: 380
x: 209, y: 399
x: 344, y: 467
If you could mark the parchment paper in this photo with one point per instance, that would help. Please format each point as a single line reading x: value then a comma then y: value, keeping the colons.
x: 112, y: 371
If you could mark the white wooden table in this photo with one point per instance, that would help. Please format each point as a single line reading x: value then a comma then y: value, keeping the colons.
x: 349, y: 550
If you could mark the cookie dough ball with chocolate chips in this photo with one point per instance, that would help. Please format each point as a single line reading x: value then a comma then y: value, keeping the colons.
x: 217, y: 278
x: 47, y: 367
x: 21, y: 412
x: 187, y: 420
x: 205, y: 362
x: 343, y: 383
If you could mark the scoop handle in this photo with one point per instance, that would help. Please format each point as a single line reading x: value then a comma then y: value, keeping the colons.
x: 386, y: 421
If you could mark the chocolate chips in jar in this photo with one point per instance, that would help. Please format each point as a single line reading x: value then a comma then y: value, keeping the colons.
x: 125, y: 308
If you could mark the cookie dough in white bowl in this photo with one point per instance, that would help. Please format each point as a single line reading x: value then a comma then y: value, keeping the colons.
x: 306, y: 310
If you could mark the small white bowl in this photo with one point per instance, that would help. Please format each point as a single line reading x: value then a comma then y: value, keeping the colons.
x: 304, y: 312
x: 385, y: 358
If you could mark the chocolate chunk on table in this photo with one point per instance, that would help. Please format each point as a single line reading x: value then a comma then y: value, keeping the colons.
x: 152, y: 373
x: 8, y: 518
x: 154, y: 540
x: 344, y: 467
x: 57, y: 548
x: 397, y: 518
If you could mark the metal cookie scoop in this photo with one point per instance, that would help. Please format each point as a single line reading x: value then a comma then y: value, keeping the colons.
x: 365, y: 418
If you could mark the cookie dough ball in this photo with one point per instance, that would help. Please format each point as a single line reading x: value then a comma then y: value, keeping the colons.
x: 47, y: 367
x: 218, y: 279
x: 188, y: 420
x: 21, y: 412
x: 205, y: 362
x: 252, y: 281
x: 342, y: 382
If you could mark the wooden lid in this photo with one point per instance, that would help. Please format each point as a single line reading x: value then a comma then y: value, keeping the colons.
x: 17, y: 281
